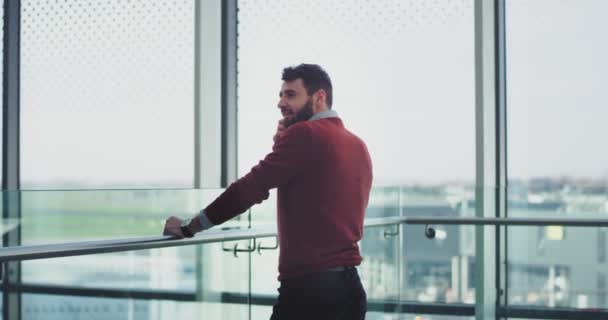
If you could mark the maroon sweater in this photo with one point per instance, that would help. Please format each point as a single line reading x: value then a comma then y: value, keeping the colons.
x: 323, y: 174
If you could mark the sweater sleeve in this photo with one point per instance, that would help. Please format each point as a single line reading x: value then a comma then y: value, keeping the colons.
x: 290, y: 155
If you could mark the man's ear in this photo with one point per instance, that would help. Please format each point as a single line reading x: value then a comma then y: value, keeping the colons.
x: 321, y: 97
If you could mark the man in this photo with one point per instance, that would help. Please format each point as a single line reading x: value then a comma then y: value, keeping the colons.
x: 323, y: 174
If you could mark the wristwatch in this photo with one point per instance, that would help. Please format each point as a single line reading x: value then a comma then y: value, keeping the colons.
x: 186, y: 229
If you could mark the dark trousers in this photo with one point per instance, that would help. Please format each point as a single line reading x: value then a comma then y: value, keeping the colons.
x: 335, y: 295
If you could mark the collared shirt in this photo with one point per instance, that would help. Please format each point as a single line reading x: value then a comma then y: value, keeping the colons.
x: 323, y: 115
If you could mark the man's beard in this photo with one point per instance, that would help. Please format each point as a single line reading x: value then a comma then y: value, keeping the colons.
x: 303, y: 114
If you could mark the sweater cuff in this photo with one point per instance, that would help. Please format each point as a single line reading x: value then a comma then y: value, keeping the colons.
x: 205, y: 222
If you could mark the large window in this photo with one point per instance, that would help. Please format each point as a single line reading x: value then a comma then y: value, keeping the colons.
x: 107, y: 101
x: 557, y: 162
x: 403, y: 76
x: 107, y: 94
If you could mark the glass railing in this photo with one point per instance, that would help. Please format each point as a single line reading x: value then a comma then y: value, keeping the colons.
x: 559, y: 267
x: 406, y: 274
x: 144, y: 284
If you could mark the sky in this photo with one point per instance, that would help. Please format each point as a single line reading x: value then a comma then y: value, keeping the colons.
x: 110, y: 98
x: 556, y: 85
x: 404, y: 81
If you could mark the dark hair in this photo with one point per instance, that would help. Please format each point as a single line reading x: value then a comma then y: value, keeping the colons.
x: 313, y: 77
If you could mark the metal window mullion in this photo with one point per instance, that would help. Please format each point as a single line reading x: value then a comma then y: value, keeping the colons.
x: 501, y: 144
x: 207, y: 114
x: 10, y: 96
x: 229, y: 92
x: 486, y: 158
x: 207, y: 94
x: 11, y: 201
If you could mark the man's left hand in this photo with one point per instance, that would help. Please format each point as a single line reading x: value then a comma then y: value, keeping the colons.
x: 173, y: 227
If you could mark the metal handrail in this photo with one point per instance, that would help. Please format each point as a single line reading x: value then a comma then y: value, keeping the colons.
x: 32, y: 252
x: 566, y: 222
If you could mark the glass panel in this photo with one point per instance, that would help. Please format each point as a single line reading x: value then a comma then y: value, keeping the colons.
x: 441, y: 269
x: 204, y: 272
x: 523, y: 318
x: 547, y: 266
x: 167, y: 269
x: 384, y: 316
x: 68, y: 216
x: 63, y: 216
x: 265, y: 265
x: 390, y: 270
x: 401, y: 263
x: 54, y: 307
x: 107, y: 94
x: 381, y: 248
x: 556, y: 124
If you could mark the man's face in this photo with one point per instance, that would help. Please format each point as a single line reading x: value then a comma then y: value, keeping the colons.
x: 294, y: 102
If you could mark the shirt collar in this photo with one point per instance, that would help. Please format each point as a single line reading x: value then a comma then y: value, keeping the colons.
x: 323, y: 115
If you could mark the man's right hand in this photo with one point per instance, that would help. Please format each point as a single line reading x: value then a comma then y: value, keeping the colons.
x: 280, y: 130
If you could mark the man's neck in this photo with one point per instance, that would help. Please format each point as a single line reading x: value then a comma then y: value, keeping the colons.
x: 317, y: 109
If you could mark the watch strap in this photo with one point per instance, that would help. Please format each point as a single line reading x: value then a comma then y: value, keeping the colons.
x: 186, y: 231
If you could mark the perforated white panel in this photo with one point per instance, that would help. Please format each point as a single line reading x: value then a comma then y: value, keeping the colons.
x: 107, y: 93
